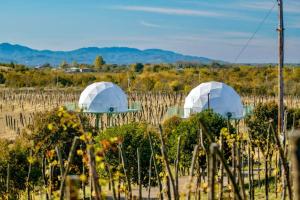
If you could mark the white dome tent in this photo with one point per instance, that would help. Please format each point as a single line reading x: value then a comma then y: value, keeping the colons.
x: 103, y: 97
x: 217, y: 96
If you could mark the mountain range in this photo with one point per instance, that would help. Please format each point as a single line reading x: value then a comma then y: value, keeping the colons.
x: 112, y: 55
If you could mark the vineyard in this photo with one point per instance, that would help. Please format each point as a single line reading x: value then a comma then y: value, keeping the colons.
x: 18, y: 106
x: 51, y: 153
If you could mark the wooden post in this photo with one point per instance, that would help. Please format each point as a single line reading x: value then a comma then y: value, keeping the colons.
x: 195, y: 154
x: 280, y: 66
x: 72, y: 187
x: 28, y: 178
x: 214, y: 148
x: 221, y: 171
x: 212, y: 171
x: 127, y: 178
x: 166, y: 161
x: 155, y: 167
x: 295, y: 152
x: 7, y: 179
x: 284, y: 163
x: 177, y: 164
x: 139, y: 174
x: 70, y: 159
x: 249, y: 170
x: 150, y: 174
x: 97, y: 121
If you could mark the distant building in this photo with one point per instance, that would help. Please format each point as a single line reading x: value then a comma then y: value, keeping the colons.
x: 72, y: 70
x: 44, y: 66
x: 87, y: 70
x: 78, y: 70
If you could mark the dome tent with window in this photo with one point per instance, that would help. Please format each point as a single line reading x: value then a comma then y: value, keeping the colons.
x: 103, y: 97
x: 217, y: 96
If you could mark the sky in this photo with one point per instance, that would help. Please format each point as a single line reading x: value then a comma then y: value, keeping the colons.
x: 217, y: 29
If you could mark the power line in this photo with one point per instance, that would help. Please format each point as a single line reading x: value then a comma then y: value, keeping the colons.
x: 255, y: 32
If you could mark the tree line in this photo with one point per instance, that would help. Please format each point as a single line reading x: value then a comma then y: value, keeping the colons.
x: 247, y: 80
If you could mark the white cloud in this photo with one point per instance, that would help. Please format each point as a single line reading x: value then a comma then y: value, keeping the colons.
x: 171, y: 11
x: 151, y: 25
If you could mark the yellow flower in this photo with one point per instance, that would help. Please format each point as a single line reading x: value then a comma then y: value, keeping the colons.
x: 54, y: 163
x: 114, y: 139
x: 83, y: 178
x: 82, y: 137
x: 50, y: 127
x: 102, y: 166
x: 31, y: 159
x: 79, y: 152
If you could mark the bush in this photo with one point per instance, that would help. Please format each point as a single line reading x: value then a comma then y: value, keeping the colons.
x: 131, y: 136
x: 293, y: 118
x: 258, y: 123
x: 16, y: 154
x: 189, y: 131
x: 2, y: 78
x: 58, y: 128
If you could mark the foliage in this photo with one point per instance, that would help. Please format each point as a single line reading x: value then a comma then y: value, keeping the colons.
x: 58, y: 128
x: 263, y: 114
x: 16, y: 155
x: 99, y: 62
x: 189, y: 130
x: 2, y: 78
x: 131, y: 137
x: 293, y: 118
x: 259, y: 122
x: 246, y: 80
x: 137, y: 67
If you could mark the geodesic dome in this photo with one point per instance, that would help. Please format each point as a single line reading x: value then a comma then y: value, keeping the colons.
x: 103, y: 97
x: 218, y: 96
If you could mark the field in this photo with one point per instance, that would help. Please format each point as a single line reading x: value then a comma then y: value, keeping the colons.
x: 18, y: 106
x: 51, y: 153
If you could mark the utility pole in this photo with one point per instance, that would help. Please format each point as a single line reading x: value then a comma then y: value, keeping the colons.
x: 285, y: 170
x: 280, y: 67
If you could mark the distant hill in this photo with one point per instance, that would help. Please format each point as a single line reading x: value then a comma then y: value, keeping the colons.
x: 112, y: 55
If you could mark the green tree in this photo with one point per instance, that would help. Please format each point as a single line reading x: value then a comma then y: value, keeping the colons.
x: 137, y: 67
x: 99, y: 62
x: 189, y: 131
x: 64, y: 65
x: 263, y: 114
x: 2, y: 78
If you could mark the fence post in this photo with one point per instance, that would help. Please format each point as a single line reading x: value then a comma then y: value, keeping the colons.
x: 72, y: 187
x: 295, y: 142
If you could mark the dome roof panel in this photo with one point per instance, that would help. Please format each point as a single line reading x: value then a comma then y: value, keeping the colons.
x: 103, y: 97
x: 222, y: 99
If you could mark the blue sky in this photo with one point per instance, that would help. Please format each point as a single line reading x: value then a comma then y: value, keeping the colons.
x: 211, y: 28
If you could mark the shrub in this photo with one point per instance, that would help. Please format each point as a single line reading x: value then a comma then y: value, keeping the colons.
x: 2, y: 78
x: 189, y: 131
x: 131, y: 136
x: 293, y: 118
x: 16, y: 154
x: 258, y: 123
x: 58, y: 128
